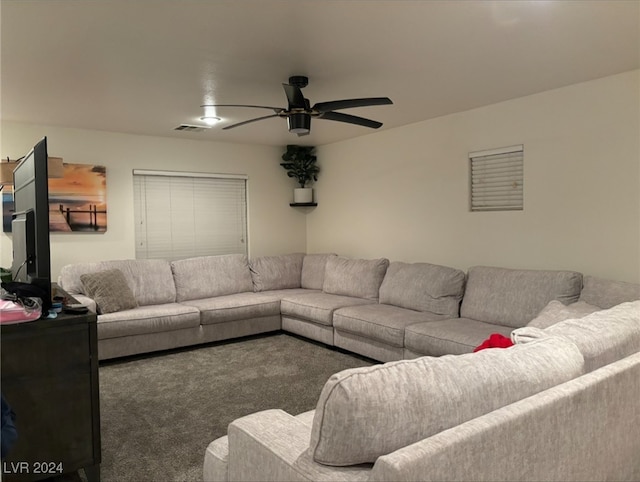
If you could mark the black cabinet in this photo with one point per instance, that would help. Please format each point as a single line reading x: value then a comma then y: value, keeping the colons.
x: 50, y: 378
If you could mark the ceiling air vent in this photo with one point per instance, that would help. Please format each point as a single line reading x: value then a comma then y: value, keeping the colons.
x: 191, y: 128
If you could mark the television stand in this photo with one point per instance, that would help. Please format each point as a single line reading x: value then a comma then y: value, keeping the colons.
x: 50, y: 380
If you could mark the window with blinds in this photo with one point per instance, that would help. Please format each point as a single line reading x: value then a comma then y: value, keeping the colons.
x: 182, y: 215
x: 497, y: 178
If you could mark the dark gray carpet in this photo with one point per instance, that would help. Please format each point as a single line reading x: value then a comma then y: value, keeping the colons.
x: 159, y: 413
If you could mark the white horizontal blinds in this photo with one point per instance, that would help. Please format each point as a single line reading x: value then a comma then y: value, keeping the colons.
x: 497, y: 179
x: 181, y: 216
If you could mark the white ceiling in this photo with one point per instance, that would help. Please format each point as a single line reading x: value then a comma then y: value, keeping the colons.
x: 146, y: 66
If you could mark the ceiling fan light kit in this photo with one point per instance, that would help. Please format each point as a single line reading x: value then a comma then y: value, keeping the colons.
x: 299, y: 111
x: 210, y: 120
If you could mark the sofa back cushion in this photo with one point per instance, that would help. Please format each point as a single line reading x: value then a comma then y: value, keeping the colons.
x: 364, y: 413
x: 360, y: 278
x: 150, y: 280
x: 513, y: 297
x: 607, y: 293
x: 313, y: 267
x: 555, y: 312
x: 276, y: 272
x: 69, y: 277
x: 603, y: 337
x: 423, y: 287
x: 210, y: 276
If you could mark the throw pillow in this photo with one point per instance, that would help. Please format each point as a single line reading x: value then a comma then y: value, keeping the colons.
x: 555, y: 311
x: 495, y: 340
x: 110, y: 291
x: 364, y: 413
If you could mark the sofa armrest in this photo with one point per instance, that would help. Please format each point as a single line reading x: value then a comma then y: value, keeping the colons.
x: 216, y: 461
x: 273, y: 445
x: 86, y: 301
x: 574, y: 431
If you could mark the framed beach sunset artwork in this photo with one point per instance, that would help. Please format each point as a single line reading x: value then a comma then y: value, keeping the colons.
x: 77, y: 201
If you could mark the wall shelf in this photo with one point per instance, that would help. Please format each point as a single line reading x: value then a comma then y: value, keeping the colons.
x: 297, y: 205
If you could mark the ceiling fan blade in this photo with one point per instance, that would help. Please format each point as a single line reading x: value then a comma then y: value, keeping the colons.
x: 277, y: 110
x: 249, y: 121
x: 349, y: 103
x: 294, y: 96
x: 350, y: 119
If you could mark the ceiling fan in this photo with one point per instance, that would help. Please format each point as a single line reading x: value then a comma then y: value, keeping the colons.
x: 299, y: 112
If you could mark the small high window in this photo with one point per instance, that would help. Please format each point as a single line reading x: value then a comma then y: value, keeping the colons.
x: 497, y: 178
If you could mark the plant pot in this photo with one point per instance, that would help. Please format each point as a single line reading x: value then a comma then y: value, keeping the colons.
x: 303, y: 195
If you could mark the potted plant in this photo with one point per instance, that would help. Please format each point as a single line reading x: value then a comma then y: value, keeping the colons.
x: 300, y: 163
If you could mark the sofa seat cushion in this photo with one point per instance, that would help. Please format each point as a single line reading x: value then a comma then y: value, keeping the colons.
x: 603, y: 337
x: 364, y: 413
x: 423, y: 287
x: 276, y: 272
x: 384, y: 323
x: 289, y: 292
x: 454, y: 336
x: 147, y: 319
x: 514, y: 297
x: 317, y: 307
x: 240, y: 306
x: 607, y: 293
x: 208, y: 276
x: 360, y: 278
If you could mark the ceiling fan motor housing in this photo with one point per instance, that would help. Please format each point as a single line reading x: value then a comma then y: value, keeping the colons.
x: 299, y: 123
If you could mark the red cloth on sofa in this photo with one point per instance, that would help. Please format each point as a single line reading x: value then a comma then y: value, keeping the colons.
x: 495, y: 340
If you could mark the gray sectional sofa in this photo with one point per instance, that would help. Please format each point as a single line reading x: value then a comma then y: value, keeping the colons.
x: 383, y: 310
x: 556, y: 406
x: 356, y: 304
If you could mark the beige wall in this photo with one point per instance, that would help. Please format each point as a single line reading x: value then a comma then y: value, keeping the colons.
x: 403, y: 193
x: 274, y: 227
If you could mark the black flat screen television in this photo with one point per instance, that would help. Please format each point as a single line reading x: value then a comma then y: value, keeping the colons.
x: 30, y: 224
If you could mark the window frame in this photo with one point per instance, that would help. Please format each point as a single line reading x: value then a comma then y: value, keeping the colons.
x: 501, y: 167
x: 238, y: 209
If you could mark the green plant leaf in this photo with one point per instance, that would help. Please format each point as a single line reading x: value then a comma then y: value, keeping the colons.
x: 300, y: 163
